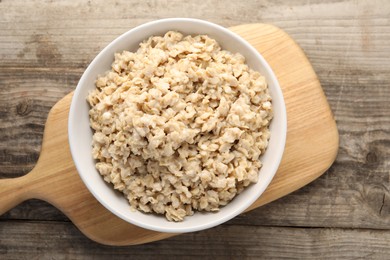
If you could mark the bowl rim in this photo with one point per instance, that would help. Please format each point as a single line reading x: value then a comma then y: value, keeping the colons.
x: 238, y: 210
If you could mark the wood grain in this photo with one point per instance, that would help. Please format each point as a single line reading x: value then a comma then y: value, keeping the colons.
x: 346, y: 41
x: 63, y: 241
x: 311, y: 147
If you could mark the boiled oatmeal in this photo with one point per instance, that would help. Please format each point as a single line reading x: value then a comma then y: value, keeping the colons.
x: 179, y: 125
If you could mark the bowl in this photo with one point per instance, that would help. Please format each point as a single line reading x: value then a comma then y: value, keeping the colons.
x: 80, y: 133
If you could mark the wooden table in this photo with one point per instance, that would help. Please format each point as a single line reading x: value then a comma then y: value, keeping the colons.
x: 46, y: 45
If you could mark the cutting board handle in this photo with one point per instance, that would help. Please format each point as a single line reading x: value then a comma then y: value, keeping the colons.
x: 38, y: 183
x: 14, y: 191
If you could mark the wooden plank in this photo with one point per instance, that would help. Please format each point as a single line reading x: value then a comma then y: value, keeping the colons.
x: 34, y: 209
x: 63, y: 241
x: 26, y: 96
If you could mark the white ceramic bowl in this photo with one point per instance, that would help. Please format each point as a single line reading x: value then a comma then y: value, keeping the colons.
x: 80, y: 133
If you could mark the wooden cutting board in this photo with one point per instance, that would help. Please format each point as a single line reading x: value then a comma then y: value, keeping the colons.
x: 311, y: 147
